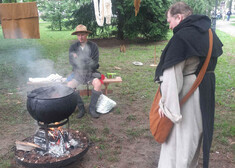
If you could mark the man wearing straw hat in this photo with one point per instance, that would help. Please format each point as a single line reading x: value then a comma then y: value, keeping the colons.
x: 84, y: 58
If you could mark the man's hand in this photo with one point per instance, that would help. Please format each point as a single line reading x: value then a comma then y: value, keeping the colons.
x: 75, y: 55
x: 161, y: 114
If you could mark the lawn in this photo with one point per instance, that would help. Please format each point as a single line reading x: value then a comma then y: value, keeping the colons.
x: 122, y: 134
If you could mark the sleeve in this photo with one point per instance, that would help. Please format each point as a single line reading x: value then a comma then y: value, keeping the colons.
x: 170, y: 88
x: 94, y: 64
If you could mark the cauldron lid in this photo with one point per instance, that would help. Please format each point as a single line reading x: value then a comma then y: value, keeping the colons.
x: 50, y: 92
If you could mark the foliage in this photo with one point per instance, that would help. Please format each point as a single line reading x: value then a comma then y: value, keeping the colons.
x: 205, y: 7
x: 56, y: 12
x: 199, y: 6
x: 83, y: 15
x: 150, y: 23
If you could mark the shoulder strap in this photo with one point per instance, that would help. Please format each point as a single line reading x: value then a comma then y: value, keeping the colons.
x: 202, y: 71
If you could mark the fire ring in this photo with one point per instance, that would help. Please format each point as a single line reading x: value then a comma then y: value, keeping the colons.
x: 32, y: 159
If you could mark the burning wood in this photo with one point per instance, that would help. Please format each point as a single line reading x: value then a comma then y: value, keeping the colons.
x: 59, y: 142
x: 26, y: 146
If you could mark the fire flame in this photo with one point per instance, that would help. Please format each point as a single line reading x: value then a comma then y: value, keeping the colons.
x: 54, y: 132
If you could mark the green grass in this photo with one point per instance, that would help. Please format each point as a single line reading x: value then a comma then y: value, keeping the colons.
x: 131, y: 118
x: 225, y: 93
x: 16, y: 56
x: 232, y: 21
x: 135, y: 132
x: 225, y: 73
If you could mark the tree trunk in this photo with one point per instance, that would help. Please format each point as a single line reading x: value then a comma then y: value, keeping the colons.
x: 120, y: 21
x: 60, y: 24
x: 60, y: 17
x: 230, y: 5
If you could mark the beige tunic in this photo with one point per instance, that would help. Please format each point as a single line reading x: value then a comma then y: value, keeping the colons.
x: 181, y: 150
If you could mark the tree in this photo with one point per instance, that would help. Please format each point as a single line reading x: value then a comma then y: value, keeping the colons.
x: 230, y: 5
x: 150, y: 23
x: 56, y: 12
x: 200, y: 6
x: 85, y: 15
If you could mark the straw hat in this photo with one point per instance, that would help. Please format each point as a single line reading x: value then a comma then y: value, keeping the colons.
x: 80, y: 29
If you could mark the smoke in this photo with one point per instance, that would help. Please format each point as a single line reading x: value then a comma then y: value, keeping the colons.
x: 30, y: 65
x: 34, y: 66
x: 18, y: 63
x: 82, y: 62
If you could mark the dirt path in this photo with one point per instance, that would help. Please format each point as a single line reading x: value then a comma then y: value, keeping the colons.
x: 124, y: 151
x: 226, y: 26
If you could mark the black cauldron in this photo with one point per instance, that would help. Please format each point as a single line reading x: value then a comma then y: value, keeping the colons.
x: 52, y: 103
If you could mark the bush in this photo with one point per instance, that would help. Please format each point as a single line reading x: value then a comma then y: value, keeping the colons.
x: 150, y: 23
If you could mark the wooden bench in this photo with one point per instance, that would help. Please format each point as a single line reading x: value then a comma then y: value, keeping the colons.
x: 107, y: 81
x: 87, y: 91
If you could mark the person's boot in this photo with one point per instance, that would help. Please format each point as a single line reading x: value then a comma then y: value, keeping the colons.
x: 81, y: 108
x: 92, y: 108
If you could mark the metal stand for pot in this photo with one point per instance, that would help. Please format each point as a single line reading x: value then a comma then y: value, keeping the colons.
x: 45, y: 127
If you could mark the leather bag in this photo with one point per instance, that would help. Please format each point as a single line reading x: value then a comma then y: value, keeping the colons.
x: 161, y: 127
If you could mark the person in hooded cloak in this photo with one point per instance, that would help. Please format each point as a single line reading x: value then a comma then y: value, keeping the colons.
x: 179, y: 65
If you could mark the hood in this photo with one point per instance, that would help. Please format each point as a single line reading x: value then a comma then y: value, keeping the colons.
x: 191, y: 38
x: 200, y: 22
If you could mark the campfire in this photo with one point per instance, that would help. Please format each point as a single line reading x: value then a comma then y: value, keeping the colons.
x: 57, y: 142
x: 52, y: 145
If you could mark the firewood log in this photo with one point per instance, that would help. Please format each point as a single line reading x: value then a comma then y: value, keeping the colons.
x: 26, y: 146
